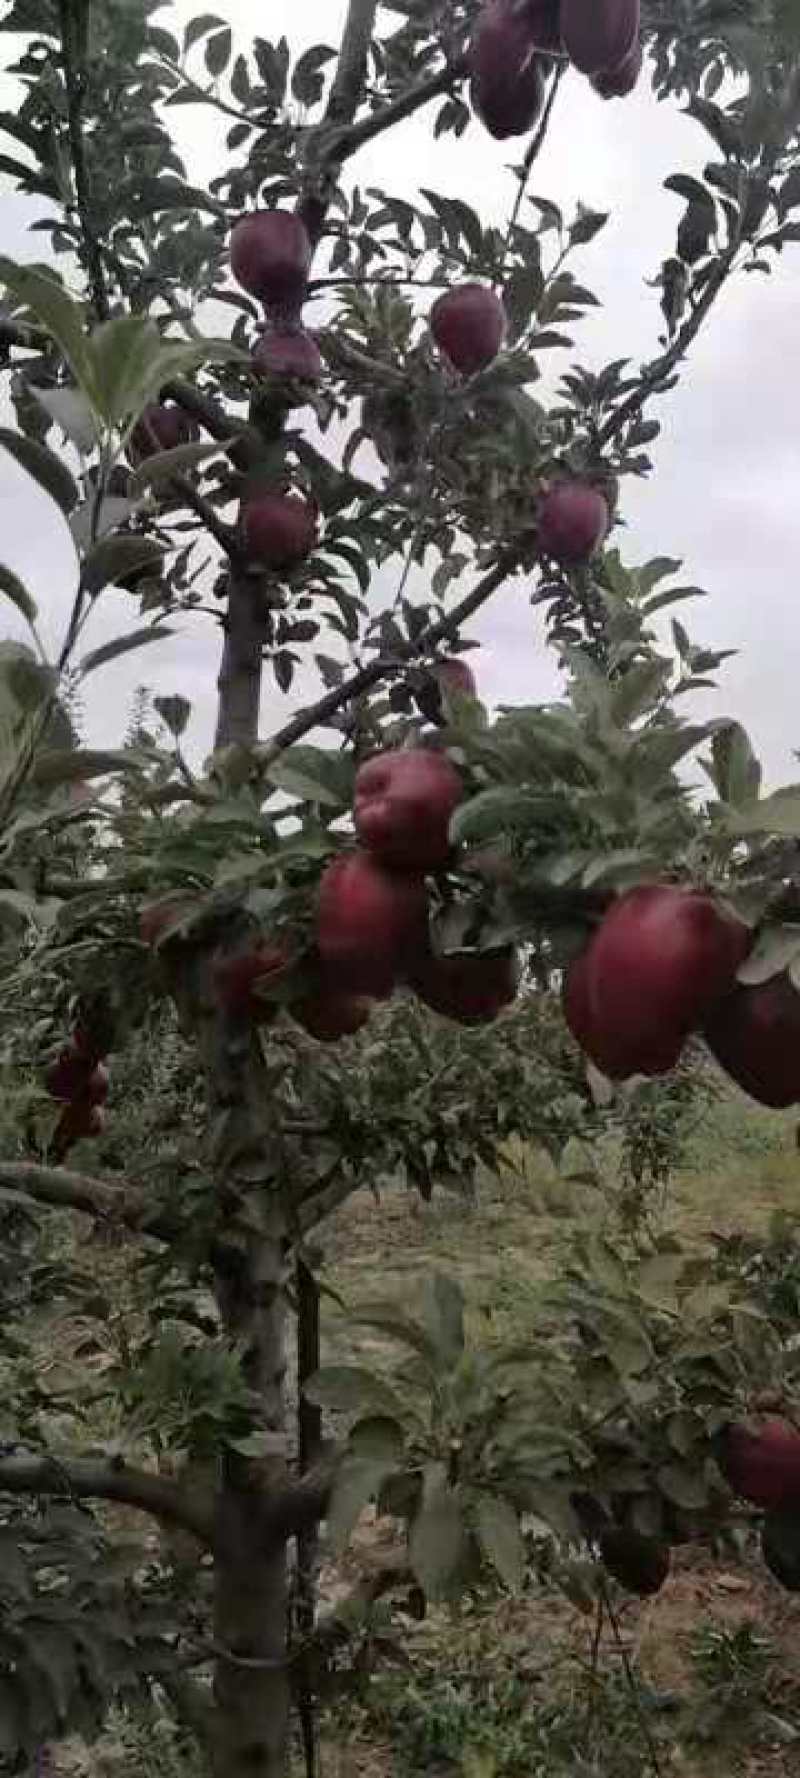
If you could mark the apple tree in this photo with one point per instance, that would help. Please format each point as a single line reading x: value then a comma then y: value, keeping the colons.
x: 369, y: 408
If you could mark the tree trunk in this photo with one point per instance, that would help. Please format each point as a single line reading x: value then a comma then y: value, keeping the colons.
x: 251, y: 1685
x: 250, y: 1730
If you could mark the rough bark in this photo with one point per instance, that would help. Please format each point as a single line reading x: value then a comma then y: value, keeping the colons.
x: 239, y: 683
x: 250, y: 1731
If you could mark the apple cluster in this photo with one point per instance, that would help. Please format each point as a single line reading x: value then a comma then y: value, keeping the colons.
x: 469, y: 325
x: 514, y: 38
x: 271, y: 255
x: 663, y: 964
x: 78, y: 1080
x: 371, y: 931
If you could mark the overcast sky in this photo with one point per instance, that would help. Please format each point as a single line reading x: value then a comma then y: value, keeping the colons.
x: 724, y: 495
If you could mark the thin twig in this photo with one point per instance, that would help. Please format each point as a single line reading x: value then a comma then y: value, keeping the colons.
x: 379, y: 669
x: 631, y: 1682
x: 534, y: 151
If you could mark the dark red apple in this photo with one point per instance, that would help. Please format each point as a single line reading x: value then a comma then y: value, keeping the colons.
x: 469, y: 326
x: 617, y: 83
x: 760, y: 1460
x: 271, y: 256
x: 162, y: 427
x: 544, y: 23
x: 288, y: 352
x: 157, y: 917
x: 572, y: 521
x: 238, y: 976
x: 280, y: 530
x: 96, y: 1090
x: 754, y: 1033
x: 402, y: 808
x: 329, y: 1016
x: 66, y: 1078
x: 507, y: 85
x: 599, y: 34
x: 454, y: 675
x: 471, y: 987
x: 368, y: 924
x: 79, y: 1120
x: 659, y: 959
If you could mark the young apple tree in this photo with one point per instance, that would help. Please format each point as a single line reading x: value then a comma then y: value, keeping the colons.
x: 370, y: 409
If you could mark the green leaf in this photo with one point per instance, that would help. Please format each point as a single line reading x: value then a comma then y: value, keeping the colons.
x: 121, y: 645
x: 683, y: 1485
x: 218, y: 51
x: 501, y: 1539
x: 200, y: 27
x: 77, y: 765
x: 587, y: 224
x: 348, y: 1389
x: 129, y: 360
x: 436, y: 1544
x: 44, y: 466
x: 62, y: 317
x: 72, y: 412
x: 378, y: 1438
x: 18, y: 594
x: 115, y: 557
x: 776, y: 814
x: 774, y: 951
x: 358, y: 1481
x: 166, y: 463
x: 174, y: 713
x: 736, y: 772
x: 521, y: 297
x: 314, y: 775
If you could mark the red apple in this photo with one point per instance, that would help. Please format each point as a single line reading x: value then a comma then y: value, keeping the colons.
x: 455, y: 675
x: 617, y: 83
x: 544, y: 24
x: 600, y: 34
x: 659, y: 959
x: 760, y: 1460
x: 79, y: 1120
x: 754, y: 1033
x: 330, y: 1016
x: 271, y: 257
x: 156, y: 917
x: 66, y: 1078
x: 368, y: 924
x: 469, y: 326
x: 572, y: 521
x: 280, y: 530
x: 471, y: 987
x: 96, y: 1091
x: 402, y: 808
x: 238, y: 975
x: 288, y: 352
x: 162, y: 427
x: 507, y: 86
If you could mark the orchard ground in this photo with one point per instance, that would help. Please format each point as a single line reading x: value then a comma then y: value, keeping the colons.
x: 502, y: 1688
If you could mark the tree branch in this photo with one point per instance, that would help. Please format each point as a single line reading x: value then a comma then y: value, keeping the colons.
x: 378, y: 669
x: 73, y: 79
x: 662, y: 367
x: 535, y: 149
x: 290, y: 1511
x: 84, y: 1479
x: 348, y: 141
x: 63, y: 1189
x: 348, y: 84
